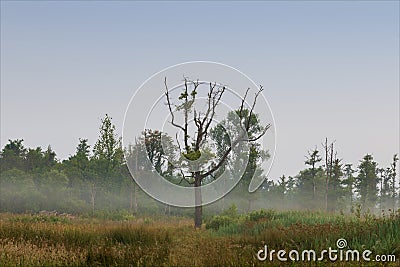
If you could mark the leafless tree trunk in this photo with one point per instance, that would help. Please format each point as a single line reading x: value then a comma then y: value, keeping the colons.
x: 93, y: 196
x: 134, y: 191
x: 327, y: 173
x: 198, y: 213
x: 223, y: 198
x: 133, y: 202
x: 381, y: 178
x: 329, y: 166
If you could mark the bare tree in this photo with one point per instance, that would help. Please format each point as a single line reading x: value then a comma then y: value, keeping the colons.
x: 329, y: 159
x: 134, y: 191
x: 393, y: 175
x: 93, y: 195
x: 191, y: 149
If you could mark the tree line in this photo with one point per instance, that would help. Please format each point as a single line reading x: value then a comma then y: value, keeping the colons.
x: 95, y: 180
x: 327, y: 183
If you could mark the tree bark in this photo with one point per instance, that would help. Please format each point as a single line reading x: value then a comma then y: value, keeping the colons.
x: 134, y: 199
x: 328, y: 171
x: 93, y: 196
x: 134, y: 204
x: 198, y: 212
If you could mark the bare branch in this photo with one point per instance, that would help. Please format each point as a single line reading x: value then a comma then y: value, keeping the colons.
x: 261, y: 134
x: 184, y: 179
x: 242, y: 104
x: 215, y: 101
x: 170, y: 106
x: 177, y: 141
x: 253, y: 106
x: 213, y: 176
x: 223, y: 158
x: 204, y: 123
x: 195, y: 119
x: 209, y: 97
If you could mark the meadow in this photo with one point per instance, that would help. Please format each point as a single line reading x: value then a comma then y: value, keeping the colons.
x: 228, y: 239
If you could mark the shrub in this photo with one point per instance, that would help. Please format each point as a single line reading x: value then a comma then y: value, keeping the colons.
x: 218, y: 221
x: 231, y: 211
x: 261, y: 214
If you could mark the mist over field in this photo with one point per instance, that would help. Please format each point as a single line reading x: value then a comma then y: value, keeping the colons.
x: 98, y: 183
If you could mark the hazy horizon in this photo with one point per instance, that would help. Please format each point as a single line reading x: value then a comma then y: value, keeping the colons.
x: 330, y: 69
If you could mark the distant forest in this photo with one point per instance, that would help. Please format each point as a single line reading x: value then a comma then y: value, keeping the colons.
x: 95, y: 181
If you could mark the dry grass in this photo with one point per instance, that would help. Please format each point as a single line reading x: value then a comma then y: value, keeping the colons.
x: 27, y: 240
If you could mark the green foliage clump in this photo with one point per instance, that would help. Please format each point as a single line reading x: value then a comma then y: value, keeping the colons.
x: 231, y: 212
x: 228, y: 218
x: 218, y: 221
x: 257, y: 215
x: 192, y: 155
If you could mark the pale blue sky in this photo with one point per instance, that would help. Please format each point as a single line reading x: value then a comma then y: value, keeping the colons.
x: 329, y: 68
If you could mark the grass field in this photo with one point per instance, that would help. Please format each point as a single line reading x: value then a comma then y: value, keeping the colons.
x: 226, y: 240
